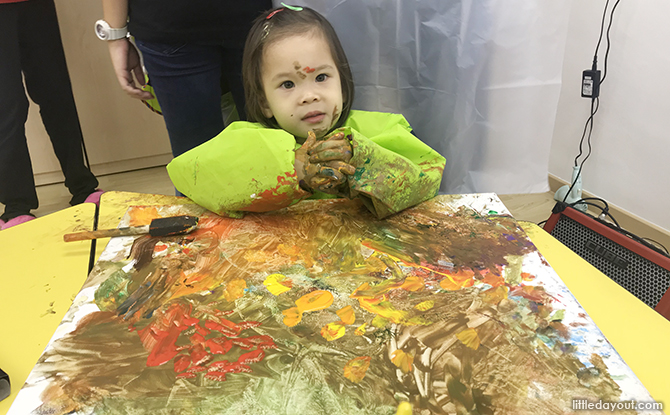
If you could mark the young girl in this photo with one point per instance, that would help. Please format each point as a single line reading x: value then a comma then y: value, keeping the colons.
x: 305, y: 140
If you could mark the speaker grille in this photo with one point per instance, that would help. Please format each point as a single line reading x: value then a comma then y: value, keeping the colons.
x: 639, y: 276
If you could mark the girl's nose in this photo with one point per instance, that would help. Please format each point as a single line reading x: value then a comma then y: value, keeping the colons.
x: 310, y: 96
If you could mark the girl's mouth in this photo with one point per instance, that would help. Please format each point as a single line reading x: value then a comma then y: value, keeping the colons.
x: 314, y: 117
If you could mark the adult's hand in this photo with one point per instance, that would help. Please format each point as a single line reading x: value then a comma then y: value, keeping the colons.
x: 126, y: 61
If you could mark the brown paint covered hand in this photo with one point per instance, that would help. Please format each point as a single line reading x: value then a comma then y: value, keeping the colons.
x: 324, y: 165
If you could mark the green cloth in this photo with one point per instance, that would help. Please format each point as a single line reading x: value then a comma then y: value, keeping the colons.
x: 248, y: 167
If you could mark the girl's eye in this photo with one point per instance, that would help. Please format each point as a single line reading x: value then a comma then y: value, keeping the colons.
x: 321, y: 77
x: 287, y: 84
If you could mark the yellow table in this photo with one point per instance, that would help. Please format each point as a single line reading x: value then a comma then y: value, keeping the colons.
x: 637, y: 332
x: 40, y: 277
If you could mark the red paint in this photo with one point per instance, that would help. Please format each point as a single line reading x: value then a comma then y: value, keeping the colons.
x: 272, y: 199
x: 197, y: 369
x: 265, y: 346
x: 197, y: 338
x: 190, y: 321
x: 199, y: 355
x: 181, y: 363
x: 163, y: 349
x: 219, y: 347
x: 225, y: 366
x: 308, y: 69
x: 260, y: 339
x: 226, y: 330
x: 243, y: 344
x: 251, y: 357
x: 218, y: 376
x: 236, y: 368
x: 202, y: 330
x: 244, y: 325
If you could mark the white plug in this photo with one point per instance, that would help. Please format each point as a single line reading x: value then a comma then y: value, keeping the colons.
x: 575, y: 193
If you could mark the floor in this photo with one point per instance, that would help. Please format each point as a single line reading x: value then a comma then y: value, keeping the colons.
x: 534, y: 207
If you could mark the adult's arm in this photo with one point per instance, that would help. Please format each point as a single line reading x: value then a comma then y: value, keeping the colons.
x: 125, y: 58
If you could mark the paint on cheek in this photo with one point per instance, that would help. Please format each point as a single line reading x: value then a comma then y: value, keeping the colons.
x: 308, y: 69
x: 336, y: 114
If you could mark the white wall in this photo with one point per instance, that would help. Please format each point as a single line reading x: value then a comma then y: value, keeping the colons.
x: 630, y: 163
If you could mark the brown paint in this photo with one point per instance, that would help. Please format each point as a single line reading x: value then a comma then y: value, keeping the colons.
x: 296, y: 65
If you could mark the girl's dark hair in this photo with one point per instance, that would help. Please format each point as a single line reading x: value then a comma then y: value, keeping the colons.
x: 272, y: 26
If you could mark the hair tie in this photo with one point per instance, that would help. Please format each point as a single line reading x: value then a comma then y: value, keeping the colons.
x: 272, y: 13
x: 294, y: 8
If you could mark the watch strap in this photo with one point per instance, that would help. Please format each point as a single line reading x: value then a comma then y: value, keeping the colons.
x: 115, y: 34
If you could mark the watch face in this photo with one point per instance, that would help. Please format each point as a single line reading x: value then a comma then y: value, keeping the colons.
x: 101, y: 31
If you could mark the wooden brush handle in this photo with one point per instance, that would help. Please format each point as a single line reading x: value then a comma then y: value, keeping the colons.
x: 106, y: 233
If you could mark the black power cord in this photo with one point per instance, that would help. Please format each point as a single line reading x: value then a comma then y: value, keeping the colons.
x: 595, y: 81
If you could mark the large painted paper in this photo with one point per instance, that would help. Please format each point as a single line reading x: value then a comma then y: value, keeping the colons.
x: 322, y: 309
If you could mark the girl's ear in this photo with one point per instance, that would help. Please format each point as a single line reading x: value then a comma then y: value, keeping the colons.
x: 267, y: 112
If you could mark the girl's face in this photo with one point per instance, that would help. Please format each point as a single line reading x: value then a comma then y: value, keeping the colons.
x: 302, y: 85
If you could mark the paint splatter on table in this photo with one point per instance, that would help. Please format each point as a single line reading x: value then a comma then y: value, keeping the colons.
x: 321, y: 308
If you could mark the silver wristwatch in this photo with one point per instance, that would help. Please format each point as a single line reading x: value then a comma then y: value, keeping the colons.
x: 105, y: 32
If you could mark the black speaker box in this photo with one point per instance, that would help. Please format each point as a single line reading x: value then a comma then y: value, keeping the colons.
x: 640, y: 268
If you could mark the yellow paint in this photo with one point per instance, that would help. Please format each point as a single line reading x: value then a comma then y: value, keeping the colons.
x: 355, y: 369
x: 405, y: 408
x: 292, y: 316
x: 361, y: 329
x: 469, y: 338
x: 143, y: 216
x: 235, y: 289
x: 333, y: 331
x: 402, y: 360
x: 347, y: 315
x: 413, y: 284
x: 495, y: 295
x: 379, y: 322
x: 461, y: 279
x: 278, y: 283
x: 425, y: 305
x: 316, y: 300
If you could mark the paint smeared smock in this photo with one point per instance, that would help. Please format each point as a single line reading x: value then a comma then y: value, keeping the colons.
x: 248, y: 167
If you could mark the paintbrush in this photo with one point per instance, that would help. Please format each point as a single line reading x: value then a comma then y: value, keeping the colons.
x: 174, y: 225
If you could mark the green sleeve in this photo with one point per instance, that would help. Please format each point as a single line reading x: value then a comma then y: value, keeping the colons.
x: 394, y: 169
x: 244, y: 168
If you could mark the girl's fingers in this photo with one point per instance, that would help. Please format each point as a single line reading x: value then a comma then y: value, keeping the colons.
x: 311, y: 139
x: 342, y: 167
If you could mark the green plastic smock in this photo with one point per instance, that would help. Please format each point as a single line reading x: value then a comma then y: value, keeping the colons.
x: 250, y: 168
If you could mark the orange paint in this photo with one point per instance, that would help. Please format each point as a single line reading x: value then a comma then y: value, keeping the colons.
x: 355, y: 369
x: 316, y: 300
x: 402, y: 360
x: 235, y: 289
x: 463, y: 278
x: 347, y: 315
x: 333, y: 331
